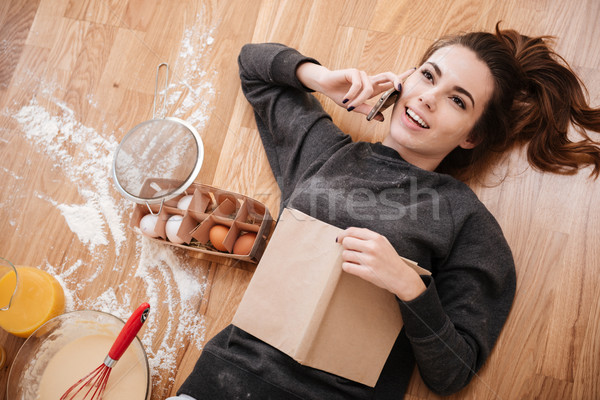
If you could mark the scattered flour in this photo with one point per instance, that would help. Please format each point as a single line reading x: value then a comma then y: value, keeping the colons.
x: 89, y: 169
x: 73, y: 268
x: 84, y: 155
x: 110, y: 303
x: 86, y: 221
x: 194, y: 91
x: 11, y: 173
x: 70, y: 295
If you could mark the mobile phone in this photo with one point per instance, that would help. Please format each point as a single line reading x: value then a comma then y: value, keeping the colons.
x: 387, y: 99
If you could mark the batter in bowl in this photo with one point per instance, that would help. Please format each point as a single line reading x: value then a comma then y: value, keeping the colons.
x: 127, y: 379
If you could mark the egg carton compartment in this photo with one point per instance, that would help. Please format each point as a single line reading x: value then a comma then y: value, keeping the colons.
x: 186, y: 221
x: 232, y: 229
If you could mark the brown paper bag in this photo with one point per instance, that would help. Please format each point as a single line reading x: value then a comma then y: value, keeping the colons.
x: 301, y: 302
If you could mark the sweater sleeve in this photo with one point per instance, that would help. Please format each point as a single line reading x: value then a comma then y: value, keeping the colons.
x: 454, y: 324
x: 295, y: 130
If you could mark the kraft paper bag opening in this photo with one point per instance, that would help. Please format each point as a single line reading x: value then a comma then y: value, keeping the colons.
x: 302, y: 303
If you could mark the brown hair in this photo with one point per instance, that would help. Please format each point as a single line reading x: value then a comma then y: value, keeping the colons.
x: 535, y: 99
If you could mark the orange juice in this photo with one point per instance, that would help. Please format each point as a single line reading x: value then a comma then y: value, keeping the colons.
x: 38, y: 298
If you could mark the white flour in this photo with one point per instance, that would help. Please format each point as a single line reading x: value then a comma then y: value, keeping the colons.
x: 59, y: 136
x: 161, y: 263
x: 86, y: 221
x: 193, y: 91
x: 99, y: 220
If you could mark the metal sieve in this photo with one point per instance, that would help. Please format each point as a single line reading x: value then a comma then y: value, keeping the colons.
x: 157, y: 159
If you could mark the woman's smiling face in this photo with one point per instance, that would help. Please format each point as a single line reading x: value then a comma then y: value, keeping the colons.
x: 439, y: 106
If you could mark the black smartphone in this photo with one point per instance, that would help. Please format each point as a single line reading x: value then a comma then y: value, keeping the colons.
x: 387, y: 99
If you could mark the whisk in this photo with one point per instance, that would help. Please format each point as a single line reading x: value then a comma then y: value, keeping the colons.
x: 96, y: 380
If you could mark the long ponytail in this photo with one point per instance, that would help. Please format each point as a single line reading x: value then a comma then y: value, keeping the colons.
x: 536, y: 98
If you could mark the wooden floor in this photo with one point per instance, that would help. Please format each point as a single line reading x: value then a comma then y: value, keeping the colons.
x: 76, y: 75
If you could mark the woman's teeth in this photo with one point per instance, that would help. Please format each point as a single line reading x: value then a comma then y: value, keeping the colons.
x: 416, y: 118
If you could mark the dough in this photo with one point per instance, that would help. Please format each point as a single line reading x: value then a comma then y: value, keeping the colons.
x: 71, y: 363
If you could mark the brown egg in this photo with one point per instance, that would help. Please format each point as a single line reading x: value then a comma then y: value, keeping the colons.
x: 244, y: 243
x: 216, y: 235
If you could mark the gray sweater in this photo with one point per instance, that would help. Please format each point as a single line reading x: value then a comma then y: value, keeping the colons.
x: 428, y: 217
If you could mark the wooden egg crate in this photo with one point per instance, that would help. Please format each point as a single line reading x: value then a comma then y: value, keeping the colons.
x: 208, y: 207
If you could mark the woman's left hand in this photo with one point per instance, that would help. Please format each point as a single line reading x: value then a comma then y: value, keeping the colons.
x: 371, y: 256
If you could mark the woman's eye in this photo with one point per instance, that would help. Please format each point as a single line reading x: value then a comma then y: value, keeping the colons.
x: 427, y: 75
x: 458, y: 102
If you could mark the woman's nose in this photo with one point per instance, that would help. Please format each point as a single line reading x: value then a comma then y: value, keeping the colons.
x: 428, y: 98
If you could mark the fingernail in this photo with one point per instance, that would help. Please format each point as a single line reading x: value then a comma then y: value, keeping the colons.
x: 350, y: 108
x: 400, y: 87
x: 345, y: 101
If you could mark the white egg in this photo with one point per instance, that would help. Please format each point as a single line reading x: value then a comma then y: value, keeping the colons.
x: 184, y: 202
x: 172, y: 227
x: 147, y: 225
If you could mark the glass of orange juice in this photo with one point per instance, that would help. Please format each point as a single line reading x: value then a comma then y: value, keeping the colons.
x: 28, y: 298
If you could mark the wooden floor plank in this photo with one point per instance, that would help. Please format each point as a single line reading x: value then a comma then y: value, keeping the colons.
x: 15, y: 20
x: 88, y: 67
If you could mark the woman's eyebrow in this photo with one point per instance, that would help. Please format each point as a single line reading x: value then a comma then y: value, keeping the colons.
x: 459, y: 89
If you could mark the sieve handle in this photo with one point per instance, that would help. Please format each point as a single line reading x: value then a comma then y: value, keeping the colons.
x: 164, y: 108
x: 162, y: 203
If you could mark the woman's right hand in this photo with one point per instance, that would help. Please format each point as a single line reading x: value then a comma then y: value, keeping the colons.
x: 348, y: 88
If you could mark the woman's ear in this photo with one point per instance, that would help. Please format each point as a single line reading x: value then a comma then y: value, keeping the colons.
x: 469, y: 143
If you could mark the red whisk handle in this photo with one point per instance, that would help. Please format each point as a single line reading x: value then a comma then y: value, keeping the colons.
x: 127, y: 334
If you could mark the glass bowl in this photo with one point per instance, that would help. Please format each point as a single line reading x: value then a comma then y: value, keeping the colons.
x: 37, y: 351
